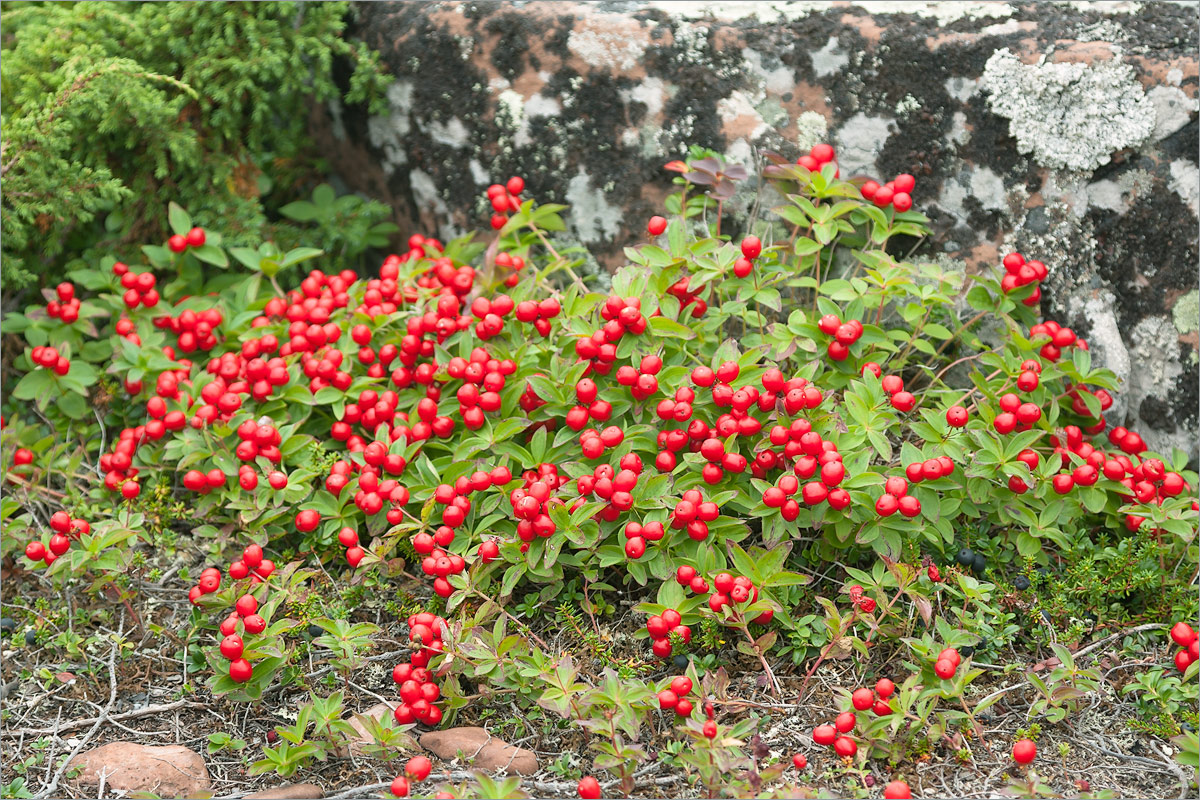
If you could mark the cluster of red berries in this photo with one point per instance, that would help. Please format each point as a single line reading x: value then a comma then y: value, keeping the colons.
x: 674, y: 697
x: 127, y: 329
x: 613, y: 485
x: 491, y: 313
x: 505, y: 199
x: 858, y: 597
x: 590, y: 406
x: 119, y: 472
x: 844, y: 334
x: 896, y: 193
x: 418, y: 690
x: 65, y: 528
x: 348, y: 538
x: 193, y: 331
x: 531, y: 503
x: 901, y: 400
x: 180, y: 242
x: 693, y: 513
x: 862, y: 699
x: 661, y: 626
x: 641, y: 380
x: 818, y: 156
x: 735, y: 590
x: 1060, y: 339
x: 516, y: 264
x: 417, y: 769
x: 456, y: 497
x: 66, y: 307
x: 593, y: 442
x: 373, y: 489
x: 815, y: 457
x: 947, y: 663
x: 930, y: 469
x: 440, y: 565
x: 313, y: 303
x: 49, y: 358
x: 209, y: 582
x: 751, y: 249
x: 895, y: 497
x: 621, y: 315
x: 1149, y: 482
x: 246, y: 615
x: 138, y: 286
x: 1187, y: 638
x: 252, y: 565
x: 204, y: 482
x: 1020, y: 272
x: 688, y: 296
x: 539, y: 314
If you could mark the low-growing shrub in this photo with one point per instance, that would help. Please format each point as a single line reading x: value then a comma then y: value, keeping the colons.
x: 795, y: 444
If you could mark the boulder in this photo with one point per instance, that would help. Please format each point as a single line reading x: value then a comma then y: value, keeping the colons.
x: 480, y: 749
x: 166, y: 771
x: 1067, y: 132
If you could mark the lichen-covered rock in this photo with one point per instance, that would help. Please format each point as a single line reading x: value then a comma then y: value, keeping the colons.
x: 1067, y: 131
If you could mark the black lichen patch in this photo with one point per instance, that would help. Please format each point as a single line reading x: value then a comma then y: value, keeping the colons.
x: 990, y: 142
x: 1183, y: 143
x: 515, y: 31
x: 1146, y: 253
x: 702, y: 77
x: 1185, y: 396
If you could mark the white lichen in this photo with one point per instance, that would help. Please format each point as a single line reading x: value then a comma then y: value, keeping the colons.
x: 1069, y: 115
x: 594, y: 219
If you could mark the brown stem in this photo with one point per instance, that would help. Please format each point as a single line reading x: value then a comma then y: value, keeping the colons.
x: 825, y: 651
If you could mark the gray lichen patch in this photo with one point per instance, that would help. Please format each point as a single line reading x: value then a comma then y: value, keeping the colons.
x: 1069, y: 115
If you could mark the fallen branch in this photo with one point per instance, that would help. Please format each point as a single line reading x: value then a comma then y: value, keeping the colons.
x: 83, y: 723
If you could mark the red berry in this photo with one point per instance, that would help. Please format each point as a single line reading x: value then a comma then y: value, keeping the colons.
x: 240, y: 670
x: 884, y: 688
x: 399, y: 786
x: 656, y: 225
x: 1182, y: 634
x: 751, y: 247
x: 1024, y: 751
x: 824, y: 734
x: 799, y: 761
x: 897, y: 790
x: 845, y: 747
x: 957, y: 416
x: 862, y: 699
x: 589, y: 788
x: 177, y: 244
x: 418, y: 768
x: 944, y: 669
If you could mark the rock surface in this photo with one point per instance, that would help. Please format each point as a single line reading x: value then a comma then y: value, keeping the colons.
x: 170, y: 771
x: 1067, y: 131
x: 289, y: 791
x: 481, y: 750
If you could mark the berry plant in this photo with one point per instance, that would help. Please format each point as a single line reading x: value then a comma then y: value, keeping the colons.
x: 789, y: 474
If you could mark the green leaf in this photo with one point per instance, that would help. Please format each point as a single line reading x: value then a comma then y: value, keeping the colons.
x: 246, y: 255
x: 179, y: 219
x: 301, y: 211
x: 211, y: 254
x: 670, y: 328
